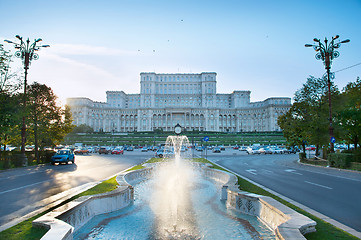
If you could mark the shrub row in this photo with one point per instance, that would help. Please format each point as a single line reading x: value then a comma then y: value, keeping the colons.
x: 14, y: 158
x: 340, y: 160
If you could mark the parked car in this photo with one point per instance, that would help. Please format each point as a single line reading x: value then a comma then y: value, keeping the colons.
x: 267, y: 150
x: 242, y: 148
x: 277, y: 150
x: 117, y: 151
x: 311, y: 148
x: 236, y: 147
x: 253, y: 150
x: 199, y: 149
x: 290, y: 150
x: 222, y: 148
x: 81, y: 151
x: 91, y: 149
x: 104, y: 150
x: 183, y: 149
x: 144, y: 149
x: 162, y: 153
x: 130, y: 148
x: 63, y: 156
x: 216, y: 150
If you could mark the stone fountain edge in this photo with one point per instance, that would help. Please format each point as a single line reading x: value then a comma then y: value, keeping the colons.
x: 65, y: 220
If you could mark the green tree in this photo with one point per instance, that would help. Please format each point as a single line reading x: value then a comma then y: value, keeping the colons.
x: 82, y: 128
x: 9, y: 101
x: 308, y: 118
x: 292, y: 128
x: 348, y: 116
x: 49, y: 123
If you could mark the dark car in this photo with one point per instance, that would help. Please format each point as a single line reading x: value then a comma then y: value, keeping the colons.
x: 290, y: 150
x: 216, y: 150
x: 63, y: 156
x: 103, y: 150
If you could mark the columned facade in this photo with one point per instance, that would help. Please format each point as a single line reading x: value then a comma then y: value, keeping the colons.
x: 188, y: 99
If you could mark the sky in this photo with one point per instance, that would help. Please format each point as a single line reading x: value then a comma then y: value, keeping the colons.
x: 99, y: 46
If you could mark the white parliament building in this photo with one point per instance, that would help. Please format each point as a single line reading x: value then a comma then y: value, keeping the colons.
x: 186, y: 98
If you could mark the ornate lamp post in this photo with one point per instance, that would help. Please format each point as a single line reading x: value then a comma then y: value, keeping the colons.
x: 326, y: 52
x: 27, y: 53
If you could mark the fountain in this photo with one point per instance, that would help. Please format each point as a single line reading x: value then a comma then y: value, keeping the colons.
x: 177, y: 199
x: 171, y: 201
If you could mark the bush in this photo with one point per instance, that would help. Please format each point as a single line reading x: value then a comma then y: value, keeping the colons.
x: 14, y: 159
x: 340, y: 160
x: 357, y: 155
x: 355, y: 166
x: 302, y: 155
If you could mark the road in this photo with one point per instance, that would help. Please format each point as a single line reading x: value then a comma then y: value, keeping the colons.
x: 331, y: 192
x: 24, y: 190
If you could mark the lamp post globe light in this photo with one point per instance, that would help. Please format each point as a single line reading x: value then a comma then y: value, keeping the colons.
x: 26, y: 51
x: 327, y: 52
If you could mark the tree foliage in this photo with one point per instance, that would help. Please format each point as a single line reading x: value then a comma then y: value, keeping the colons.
x: 9, y: 101
x: 48, y: 122
x: 308, y: 118
x: 82, y: 128
x: 349, y: 116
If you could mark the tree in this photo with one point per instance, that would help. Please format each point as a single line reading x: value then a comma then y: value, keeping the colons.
x: 82, y: 128
x: 9, y: 101
x: 307, y: 119
x: 49, y: 123
x: 10, y: 117
x: 349, y: 115
x: 292, y: 128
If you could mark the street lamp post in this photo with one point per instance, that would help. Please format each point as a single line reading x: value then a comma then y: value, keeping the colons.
x: 326, y: 52
x: 27, y: 53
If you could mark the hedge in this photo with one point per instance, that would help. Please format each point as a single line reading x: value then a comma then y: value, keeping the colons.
x: 340, y: 160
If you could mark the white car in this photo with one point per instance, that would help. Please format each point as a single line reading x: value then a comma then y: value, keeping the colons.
x: 253, y: 150
x: 242, y: 148
x: 277, y: 150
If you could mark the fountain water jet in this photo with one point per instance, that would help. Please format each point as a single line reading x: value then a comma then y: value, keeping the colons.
x: 171, y: 201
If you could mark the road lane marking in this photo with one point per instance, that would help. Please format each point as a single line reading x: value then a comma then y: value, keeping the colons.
x: 252, y: 171
x: 319, y: 185
x: 268, y: 171
x: 14, y: 189
x: 293, y: 171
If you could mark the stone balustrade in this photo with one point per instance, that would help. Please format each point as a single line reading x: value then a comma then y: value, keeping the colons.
x: 65, y: 220
x: 284, y: 221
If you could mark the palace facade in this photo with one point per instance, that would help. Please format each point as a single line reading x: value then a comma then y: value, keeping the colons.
x: 188, y: 99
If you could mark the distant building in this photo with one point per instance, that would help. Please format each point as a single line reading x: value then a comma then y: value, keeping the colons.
x: 188, y: 99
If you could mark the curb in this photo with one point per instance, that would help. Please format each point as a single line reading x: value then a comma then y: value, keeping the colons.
x: 307, y: 209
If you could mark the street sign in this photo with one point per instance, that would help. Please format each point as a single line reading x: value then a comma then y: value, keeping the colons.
x: 206, y: 139
x: 333, y: 139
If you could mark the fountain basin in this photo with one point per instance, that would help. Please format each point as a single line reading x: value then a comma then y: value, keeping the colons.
x: 283, y: 221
